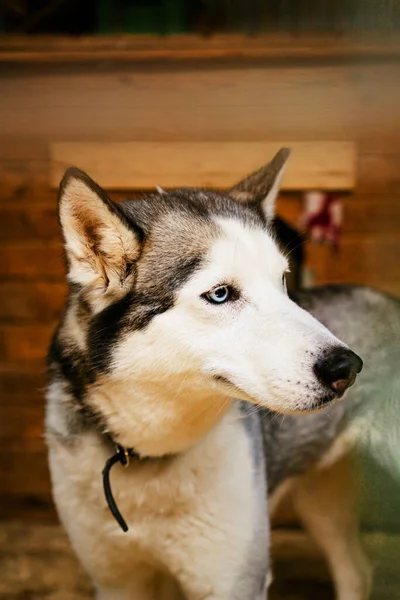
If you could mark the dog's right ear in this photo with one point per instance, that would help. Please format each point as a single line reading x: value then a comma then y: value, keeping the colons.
x: 262, y: 187
x: 101, y: 246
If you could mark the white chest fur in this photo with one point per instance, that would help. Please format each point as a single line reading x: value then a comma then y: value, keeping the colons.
x: 188, y: 515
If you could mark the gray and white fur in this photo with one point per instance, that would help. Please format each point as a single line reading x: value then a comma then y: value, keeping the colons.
x: 177, y: 322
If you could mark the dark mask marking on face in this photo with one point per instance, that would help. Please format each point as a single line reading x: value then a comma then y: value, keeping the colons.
x: 132, y: 313
x: 69, y: 364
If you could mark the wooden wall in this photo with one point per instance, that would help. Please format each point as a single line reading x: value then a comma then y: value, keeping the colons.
x: 324, y: 98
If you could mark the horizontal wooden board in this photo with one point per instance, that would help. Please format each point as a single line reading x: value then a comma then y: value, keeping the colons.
x: 35, y: 508
x: 26, y: 472
x: 25, y: 426
x: 17, y: 383
x: 378, y: 172
x: 24, y: 170
x: 128, y: 48
x: 28, y: 220
x: 31, y: 260
x: 27, y: 344
x: 319, y: 101
x: 372, y: 214
x: 367, y: 260
x: 36, y: 301
x: 142, y: 165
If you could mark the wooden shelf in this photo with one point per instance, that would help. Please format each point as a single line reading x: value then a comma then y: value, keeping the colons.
x: 142, y: 165
x: 134, y: 48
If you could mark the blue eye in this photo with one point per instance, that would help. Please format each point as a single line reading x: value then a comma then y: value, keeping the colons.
x: 219, y: 295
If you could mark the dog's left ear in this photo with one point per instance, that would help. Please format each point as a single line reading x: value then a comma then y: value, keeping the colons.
x: 101, y: 246
x: 262, y: 187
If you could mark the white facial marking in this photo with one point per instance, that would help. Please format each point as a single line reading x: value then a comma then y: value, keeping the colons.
x: 177, y: 373
x: 262, y: 342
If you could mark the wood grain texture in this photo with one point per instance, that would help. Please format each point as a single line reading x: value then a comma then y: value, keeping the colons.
x: 24, y: 431
x: 36, y: 301
x: 318, y: 101
x: 31, y: 260
x: 26, y: 344
x: 17, y: 383
x: 142, y: 165
x: 125, y: 48
x: 363, y: 259
x: 313, y: 99
x: 25, y: 473
x: 30, y: 219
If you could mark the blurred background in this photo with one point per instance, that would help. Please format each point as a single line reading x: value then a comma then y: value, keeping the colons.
x: 170, y: 93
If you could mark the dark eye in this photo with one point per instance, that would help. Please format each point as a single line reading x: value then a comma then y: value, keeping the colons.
x: 219, y: 295
x: 284, y: 282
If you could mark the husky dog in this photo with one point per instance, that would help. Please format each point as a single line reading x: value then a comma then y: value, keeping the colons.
x: 177, y: 322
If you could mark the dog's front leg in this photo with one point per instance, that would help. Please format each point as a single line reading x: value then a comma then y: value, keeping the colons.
x: 228, y: 587
x: 214, y: 563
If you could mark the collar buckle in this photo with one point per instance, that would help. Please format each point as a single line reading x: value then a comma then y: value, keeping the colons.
x: 124, y: 455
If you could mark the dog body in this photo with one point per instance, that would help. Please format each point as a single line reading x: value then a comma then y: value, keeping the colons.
x: 177, y: 316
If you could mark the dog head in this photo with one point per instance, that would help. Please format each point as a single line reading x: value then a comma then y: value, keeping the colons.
x: 178, y: 302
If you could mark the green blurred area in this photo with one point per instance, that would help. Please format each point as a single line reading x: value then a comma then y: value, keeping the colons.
x: 380, y: 513
x: 151, y: 16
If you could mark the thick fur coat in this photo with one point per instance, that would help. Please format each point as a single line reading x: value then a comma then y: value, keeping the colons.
x: 179, y: 340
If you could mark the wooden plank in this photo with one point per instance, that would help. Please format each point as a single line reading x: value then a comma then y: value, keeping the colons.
x: 124, y: 48
x: 18, y: 383
x: 36, y: 301
x: 142, y: 165
x: 377, y: 215
x: 379, y: 172
x: 31, y: 261
x: 320, y: 101
x: 23, y: 169
x: 27, y: 344
x: 25, y: 220
x: 25, y: 472
x: 28, y: 397
x: 362, y: 259
x: 25, y: 426
x: 40, y: 509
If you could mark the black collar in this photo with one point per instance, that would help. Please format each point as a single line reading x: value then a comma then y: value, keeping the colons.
x: 123, y: 456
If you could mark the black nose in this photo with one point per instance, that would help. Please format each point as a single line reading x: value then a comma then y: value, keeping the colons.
x: 338, y: 369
